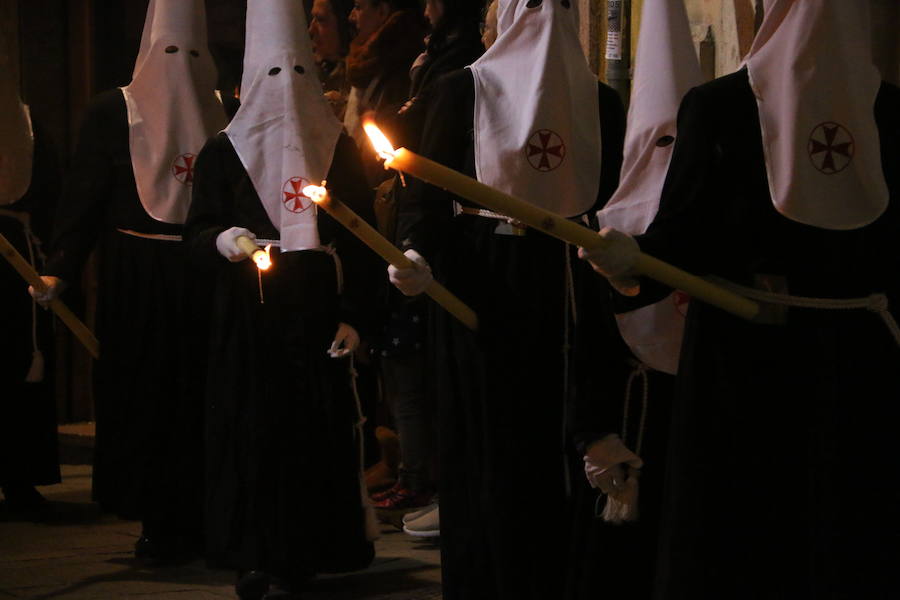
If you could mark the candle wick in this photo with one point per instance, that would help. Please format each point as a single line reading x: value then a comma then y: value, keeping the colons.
x: 262, y: 299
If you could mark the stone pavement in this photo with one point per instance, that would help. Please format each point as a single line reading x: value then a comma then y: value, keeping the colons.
x: 75, y: 552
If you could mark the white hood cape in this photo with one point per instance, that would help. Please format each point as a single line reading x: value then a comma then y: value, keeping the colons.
x: 811, y: 70
x: 172, y: 105
x: 537, y: 127
x: 285, y: 132
x: 666, y: 68
x: 16, y: 138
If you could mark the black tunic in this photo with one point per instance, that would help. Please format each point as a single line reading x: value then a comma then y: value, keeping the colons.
x: 783, y: 479
x: 500, y: 391
x: 28, y: 444
x: 617, y: 560
x: 283, y: 459
x: 147, y: 461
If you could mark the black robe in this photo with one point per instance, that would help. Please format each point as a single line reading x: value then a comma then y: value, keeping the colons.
x: 150, y: 322
x: 617, y: 560
x: 283, y: 458
x: 28, y: 440
x: 501, y: 391
x: 782, y: 479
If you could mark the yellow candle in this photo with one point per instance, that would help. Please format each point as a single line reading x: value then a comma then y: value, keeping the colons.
x: 259, y: 256
x: 389, y: 252
x: 552, y: 224
x: 78, y: 328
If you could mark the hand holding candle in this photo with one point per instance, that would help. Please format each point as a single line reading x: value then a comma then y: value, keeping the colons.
x: 78, y: 328
x: 237, y: 243
x: 615, y: 260
x: 551, y: 223
x: 388, y: 251
x: 415, y: 281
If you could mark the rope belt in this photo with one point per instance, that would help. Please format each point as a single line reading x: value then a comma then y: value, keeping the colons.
x: 329, y: 250
x: 512, y: 227
x: 151, y: 236
x: 639, y: 370
x: 876, y: 303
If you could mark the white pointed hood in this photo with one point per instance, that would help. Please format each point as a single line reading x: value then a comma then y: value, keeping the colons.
x: 285, y: 132
x: 811, y: 70
x: 16, y: 138
x: 537, y: 131
x: 666, y: 68
x: 172, y: 106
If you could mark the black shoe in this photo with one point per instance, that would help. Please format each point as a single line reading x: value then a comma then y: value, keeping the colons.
x: 252, y: 585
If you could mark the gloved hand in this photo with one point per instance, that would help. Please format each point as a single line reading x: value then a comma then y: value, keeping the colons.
x: 346, y: 340
x: 414, y: 281
x: 227, y: 247
x: 55, y: 287
x: 616, y: 261
x: 605, y: 461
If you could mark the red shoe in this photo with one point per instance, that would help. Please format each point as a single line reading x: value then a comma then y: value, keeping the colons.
x: 385, y: 494
x: 403, y: 498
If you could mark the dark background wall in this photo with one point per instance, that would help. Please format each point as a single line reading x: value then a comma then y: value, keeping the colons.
x: 72, y: 49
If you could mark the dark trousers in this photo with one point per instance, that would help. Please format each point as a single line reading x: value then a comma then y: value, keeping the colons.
x: 405, y: 393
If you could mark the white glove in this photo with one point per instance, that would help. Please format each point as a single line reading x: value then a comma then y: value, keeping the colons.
x: 227, y: 247
x: 346, y: 340
x: 603, y: 464
x: 414, y: 281
x: 616, y: 261
x: 55, y: 287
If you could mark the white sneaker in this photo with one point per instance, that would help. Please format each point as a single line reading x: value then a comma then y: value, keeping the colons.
x: 411, y: 516
x: 426, y: 525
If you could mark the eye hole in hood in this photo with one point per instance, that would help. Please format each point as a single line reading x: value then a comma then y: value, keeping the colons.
x: 664, y: 141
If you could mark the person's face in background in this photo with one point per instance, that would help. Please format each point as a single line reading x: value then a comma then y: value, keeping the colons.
x: 368, y: 16
x: 323, y: 29
x: 489, y: 35
x: 434, y: 12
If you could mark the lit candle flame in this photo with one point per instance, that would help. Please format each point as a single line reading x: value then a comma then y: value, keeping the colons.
x: 316, y: 193
x: 262, y: 259
x: 382, y: 145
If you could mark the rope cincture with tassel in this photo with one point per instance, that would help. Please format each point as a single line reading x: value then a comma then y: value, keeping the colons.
x: 371, y: 522
x: 622, y: 506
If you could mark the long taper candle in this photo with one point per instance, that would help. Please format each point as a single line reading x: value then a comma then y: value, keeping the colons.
x: 389, y: 252
x: 551, y: 223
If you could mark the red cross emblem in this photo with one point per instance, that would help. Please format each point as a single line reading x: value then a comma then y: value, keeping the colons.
x: 831, y: 147
x: 294, y: 200
x: 681, y: 301
x: 545, y: 150
x: 183, y: 168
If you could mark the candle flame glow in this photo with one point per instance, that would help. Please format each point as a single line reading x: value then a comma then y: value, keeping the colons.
x: 262, y: 259
x: 316, y: 193
x: 382, y: 145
